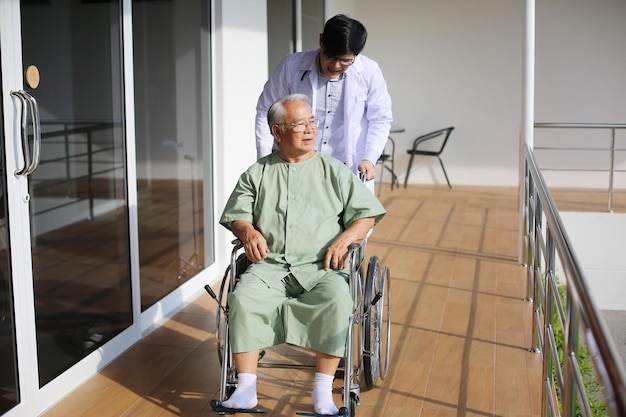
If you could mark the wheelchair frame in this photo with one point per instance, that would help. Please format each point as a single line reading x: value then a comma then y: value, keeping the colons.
x: 369, y: 324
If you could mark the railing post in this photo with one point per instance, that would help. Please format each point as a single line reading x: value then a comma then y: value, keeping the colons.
x: 90, y: 175
x: 548, y: 311
x: 570, y: 347
x: 525, y: 226
x: 68, y: 173
x: 538, y: 303
x: 611, y: 170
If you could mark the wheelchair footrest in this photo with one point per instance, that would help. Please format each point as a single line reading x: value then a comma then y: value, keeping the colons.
x: 216, y: 405
x: 343, y: 411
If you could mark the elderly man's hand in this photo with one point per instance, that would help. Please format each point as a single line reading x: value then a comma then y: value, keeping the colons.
x: 338, y: 251
x: 337, y: 254
x: 255, y: 246
x: 253, y: 241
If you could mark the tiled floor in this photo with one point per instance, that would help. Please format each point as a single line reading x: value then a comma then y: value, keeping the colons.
x: 460, y: 335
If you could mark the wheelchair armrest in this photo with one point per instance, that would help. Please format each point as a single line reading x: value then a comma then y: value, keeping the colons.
x: 355, y: 245
x: 237, y: 246
x: 356, y: 252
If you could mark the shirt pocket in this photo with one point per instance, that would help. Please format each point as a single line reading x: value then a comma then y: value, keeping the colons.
x: 358, y: 108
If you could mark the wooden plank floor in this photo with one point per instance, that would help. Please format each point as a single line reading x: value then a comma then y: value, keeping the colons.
x: 460, y: 336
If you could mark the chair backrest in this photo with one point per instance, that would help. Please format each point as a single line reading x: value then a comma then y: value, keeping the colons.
x: 433, y: 135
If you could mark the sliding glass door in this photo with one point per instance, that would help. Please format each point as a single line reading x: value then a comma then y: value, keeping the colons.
x: 66, y: 265
x: 106, y: 186
x: 79, y: 208
x: 171, y: 66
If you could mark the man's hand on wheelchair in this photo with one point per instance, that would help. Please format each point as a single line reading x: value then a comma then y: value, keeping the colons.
x: 337, y: 255
x: 256, y: 247
x: 338, y: 251
x: 368, y: 169
x: 252, y: 240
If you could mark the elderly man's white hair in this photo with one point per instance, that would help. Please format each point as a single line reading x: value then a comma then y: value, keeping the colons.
x: 276, y: 113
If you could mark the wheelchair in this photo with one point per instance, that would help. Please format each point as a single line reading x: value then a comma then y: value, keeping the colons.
x: 367, y: 343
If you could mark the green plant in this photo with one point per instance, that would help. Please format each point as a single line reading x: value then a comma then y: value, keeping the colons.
x: 592, y: 386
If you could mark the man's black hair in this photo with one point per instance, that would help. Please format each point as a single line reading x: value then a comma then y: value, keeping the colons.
x: 343, y: 35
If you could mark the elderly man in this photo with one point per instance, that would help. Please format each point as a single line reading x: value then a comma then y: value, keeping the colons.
x: 296, y: 211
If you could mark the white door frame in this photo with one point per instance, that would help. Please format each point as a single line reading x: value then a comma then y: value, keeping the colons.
x: 18, y: 207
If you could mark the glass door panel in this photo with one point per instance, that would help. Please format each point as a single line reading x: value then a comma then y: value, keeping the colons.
x: 312, y: 23
x: 78, y: 206
x: 292, y: 25
x: 171, y: 66
x: 281, y: 31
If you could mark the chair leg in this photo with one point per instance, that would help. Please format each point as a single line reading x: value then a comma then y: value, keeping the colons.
x: 408, y: 170
x: 444, y: 172
x: 394, y: 178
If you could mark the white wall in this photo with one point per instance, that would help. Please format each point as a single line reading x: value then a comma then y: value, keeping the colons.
x: 581, y: 77
x: 240, y: 70
x: 581, y: 61
x: 334, y: 7
x: 459, y: 62
x: 452, y: 63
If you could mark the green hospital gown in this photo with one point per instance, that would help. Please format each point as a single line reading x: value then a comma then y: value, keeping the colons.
x: 300, y: 208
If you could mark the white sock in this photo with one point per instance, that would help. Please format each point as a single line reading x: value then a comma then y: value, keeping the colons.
x: 245, y: 393
x: 323, y: 394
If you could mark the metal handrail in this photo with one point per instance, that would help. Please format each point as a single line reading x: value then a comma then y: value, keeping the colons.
x: 545, y: 238
x: 612, y: 149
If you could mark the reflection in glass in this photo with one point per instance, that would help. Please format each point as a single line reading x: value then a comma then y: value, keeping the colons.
x: 171, y: 64
x: 312, y: 23
x: 281, y: 28
x: 79, y: 223
x: 9, y: 395
x: 280, y: 31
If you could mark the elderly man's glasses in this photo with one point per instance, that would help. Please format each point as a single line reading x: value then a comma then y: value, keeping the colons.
x: 301, y: 126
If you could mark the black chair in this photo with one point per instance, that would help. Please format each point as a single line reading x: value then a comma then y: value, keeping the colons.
x: 445, y: 133
x: 387, y: 162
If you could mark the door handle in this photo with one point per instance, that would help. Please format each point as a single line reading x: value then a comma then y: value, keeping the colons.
x: 29, y: 103
x: 24, y: 135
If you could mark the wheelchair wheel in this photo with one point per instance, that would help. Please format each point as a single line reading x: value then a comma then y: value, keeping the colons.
x: 377, y: 323
x: 385, y: 323
x: 220, y: 319
x: 372, y: 322
x: 354, y: 401
x: 241, y: 265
